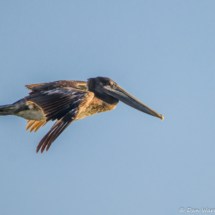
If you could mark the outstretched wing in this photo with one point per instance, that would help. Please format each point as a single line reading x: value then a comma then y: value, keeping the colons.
x: 56, y: 130
x: 63, y: 104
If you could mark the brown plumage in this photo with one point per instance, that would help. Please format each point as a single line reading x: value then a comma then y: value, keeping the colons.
x: 63, y: 101
x: 67, y: 101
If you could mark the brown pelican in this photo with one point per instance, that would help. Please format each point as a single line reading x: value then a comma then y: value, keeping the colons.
x: 67, y: 101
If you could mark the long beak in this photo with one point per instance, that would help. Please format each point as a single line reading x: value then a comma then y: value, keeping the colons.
x: 128, y: 99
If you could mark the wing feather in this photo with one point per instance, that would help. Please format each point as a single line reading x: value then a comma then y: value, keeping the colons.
x: 61, y: 104
x: 56, y: 130
x: 57, y: 84
x: 57, y: 102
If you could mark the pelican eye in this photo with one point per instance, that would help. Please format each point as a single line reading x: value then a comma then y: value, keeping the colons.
x: 106, y: 83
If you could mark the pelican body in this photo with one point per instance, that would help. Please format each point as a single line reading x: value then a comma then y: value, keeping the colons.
x: 67, y: 101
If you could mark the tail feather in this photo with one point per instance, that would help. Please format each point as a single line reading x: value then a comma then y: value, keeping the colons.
x: 13, y: 109
x: 7, y: 110
x: 22, y: 109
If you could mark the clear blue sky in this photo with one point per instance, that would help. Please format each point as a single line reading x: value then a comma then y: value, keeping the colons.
x: 121, y: 162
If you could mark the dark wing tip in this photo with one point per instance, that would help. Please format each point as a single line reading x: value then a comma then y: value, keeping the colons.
x: 56, y: 130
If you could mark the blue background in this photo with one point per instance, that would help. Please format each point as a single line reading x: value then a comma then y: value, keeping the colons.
x: 122, y: 161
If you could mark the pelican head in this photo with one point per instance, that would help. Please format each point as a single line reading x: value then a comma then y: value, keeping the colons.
x: 111, y: 92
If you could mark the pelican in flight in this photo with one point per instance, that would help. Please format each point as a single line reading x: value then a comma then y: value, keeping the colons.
x: 67, y: 101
